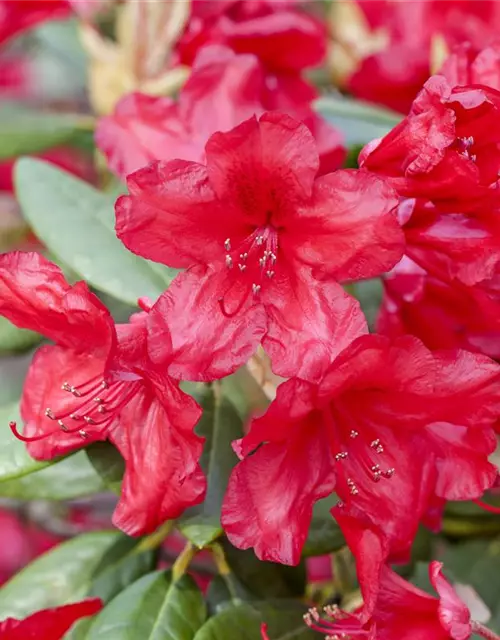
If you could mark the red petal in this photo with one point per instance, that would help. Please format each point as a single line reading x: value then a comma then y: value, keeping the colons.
x: 161, y: 451
x: 20, y: 15
x: 263, y: 166
x: 269, y: 500
x: 283, y: 40
x: 49, y: 624
x: 349, y: 231
x: 404, y: 612
x: 137, y: 133
x: 50, y: 368
x: 310, y: 323
x: 34, y: 294
x: 453, y: 613
x: 172, y: 215
x: 206, y: 344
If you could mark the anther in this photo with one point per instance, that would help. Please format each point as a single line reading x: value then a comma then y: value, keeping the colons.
x: 375, y: 443
x: 62, y: 425
x: 255, y: 289
x: 242, y: 267
x: 88, y: 420
x: 227, y: 244
x: 49, y: 414
x: 243, y: 256
x: 66, y: 386
x: 272, y: 257
x: 259, y: 240
x: 354, y: 434
x: 83, y: 434
x: 262, y: 262
x: 101, y: 409
x: 229, y: 262
x: 104, y: 384
x: 269, y: 274
x: 389, y: 473
x: 98, y: 400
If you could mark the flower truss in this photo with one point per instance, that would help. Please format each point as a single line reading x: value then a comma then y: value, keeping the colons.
x: 237, y: 185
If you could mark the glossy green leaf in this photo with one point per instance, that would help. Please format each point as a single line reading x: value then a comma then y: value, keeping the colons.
x: 265, y: 579
x: 219, y: 425
x: 25, y: 131
x: 108, y: 463
x: 67, y: 479
x: 360, y: 122
x: 476, y: 563
x: 76, y: 222
x: 15, y: 461
x: 13, y: 339
x: 152, y: 608
x: 58, y: 577
x: 120, y: 566
x: 243, y: 622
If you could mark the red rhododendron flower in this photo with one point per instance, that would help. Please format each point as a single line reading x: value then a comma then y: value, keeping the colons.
x: 223, y: 90
x: 98, y: 383
x: 285, y: 40
x: 468, y: 65
x: 388, y: 426
x: 445, y: 154
x: 18, y: 15
x: 394, y: 73
x: 403, y: 612
x: 264, y: 242
x: 49, y: 624
x: 441, y: 315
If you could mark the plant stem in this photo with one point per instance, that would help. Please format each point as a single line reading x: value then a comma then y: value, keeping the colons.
x: 155, y: 539
x: 183, y: 561
x: 483, y: 631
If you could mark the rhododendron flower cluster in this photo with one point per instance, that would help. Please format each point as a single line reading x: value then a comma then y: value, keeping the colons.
x: 246, y: 229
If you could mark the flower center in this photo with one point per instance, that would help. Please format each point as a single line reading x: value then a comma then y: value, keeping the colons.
x: 353, y: 452
x: 341, y: 626
x: 464, y: 147
x: 93, y: 407
x: 250, y: 266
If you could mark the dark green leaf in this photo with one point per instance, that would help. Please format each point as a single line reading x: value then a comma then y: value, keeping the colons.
x: 226, y: 590
x: 13, y: 339
x: 324, y: 534
x: 15, y: 461
x: 76, y: 222
x: 24, y: 130
x: 108, y: 463
x: 66, y: 479
x: 60, y: 576
x: 360, y: 122
x: 476, y: 563
x: 220, y: 424
x: 265, y: 579
x: 120, y: 566
x: 369, y: 293
x: 152, y: 608
x: 79, y: 630
x: 243, y: 622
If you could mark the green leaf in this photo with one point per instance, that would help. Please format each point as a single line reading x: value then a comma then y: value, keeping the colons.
x: 79, y: 630
x: 477, y: 563
x: 58, y: 577
x: 108, y: 463
x: 243, y: 622
x: 152, y: 608
x: 324, y: 534
x: 66, y: 479
x: 220, y: 425
x: 13, y: 339
x: 15, y: 461
x: 76, y: 222
x: 360, y: 122
x: 24, y: 130
x: 265, y: 579
x: 119, y: 567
